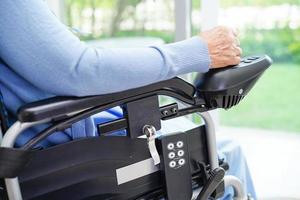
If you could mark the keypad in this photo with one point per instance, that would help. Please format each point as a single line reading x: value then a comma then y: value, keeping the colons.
x: 176, y: 154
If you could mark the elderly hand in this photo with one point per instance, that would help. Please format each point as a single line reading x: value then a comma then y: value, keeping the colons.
x: 223, y: 46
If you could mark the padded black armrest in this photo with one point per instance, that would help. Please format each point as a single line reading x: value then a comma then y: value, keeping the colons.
x: 56, y: 107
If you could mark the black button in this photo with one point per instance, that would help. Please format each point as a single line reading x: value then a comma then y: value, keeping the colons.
x: 253, y: 57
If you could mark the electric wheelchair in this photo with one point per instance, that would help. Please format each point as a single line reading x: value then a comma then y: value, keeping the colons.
x: 144, y: 164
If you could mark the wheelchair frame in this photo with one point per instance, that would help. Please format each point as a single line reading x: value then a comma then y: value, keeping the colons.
x: 222, y: 88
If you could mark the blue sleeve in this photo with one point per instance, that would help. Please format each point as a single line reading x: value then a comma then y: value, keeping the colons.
x: 43, y: 51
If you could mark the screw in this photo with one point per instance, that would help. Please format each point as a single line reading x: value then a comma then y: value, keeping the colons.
x: 174, y: 110
x: 165, y: 113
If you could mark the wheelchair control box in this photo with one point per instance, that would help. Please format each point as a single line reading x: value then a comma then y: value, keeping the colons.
x: 176, y: 166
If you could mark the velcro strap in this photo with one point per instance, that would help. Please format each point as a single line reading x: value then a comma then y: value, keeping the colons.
x: 13, y: 161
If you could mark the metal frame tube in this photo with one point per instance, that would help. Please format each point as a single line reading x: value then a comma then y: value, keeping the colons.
x: 211, y: 140
x: 230, y: 181
x: 8, y: 141
x: 182, y: 19
x: 236, y: 184
x: 1, y: 134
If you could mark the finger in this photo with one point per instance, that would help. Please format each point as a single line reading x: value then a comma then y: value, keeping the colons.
x: 237, y: 42
x: 231, y: 52
x: 235, y: 32
x: 238, y: 51
x: 232, y: 60
x: 236, y: 60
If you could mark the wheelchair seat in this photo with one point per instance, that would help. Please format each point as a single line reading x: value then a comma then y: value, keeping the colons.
x: 136, y: 166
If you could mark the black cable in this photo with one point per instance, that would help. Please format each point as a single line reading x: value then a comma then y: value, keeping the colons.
x: 62, y: 125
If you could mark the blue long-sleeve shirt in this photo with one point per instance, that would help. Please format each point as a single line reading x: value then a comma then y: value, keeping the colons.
x: 40, y: 58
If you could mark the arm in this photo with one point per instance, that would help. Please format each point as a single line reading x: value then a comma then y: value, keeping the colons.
x: 42, y: 50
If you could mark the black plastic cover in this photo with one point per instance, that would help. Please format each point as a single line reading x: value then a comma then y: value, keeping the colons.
x: 230, y: 77
x: 226, y: 87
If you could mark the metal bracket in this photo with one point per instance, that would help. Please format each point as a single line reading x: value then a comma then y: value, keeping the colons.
x: 140, y: 112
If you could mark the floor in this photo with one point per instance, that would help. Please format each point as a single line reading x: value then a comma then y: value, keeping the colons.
x: 273, y: 158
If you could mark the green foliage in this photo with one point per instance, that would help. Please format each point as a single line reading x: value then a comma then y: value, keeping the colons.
x: 283, y: 45
x: 85, y: 3
x: 168, y: 37
x: 118, y: 7
x: 196, y: 4
x: 294, y: 47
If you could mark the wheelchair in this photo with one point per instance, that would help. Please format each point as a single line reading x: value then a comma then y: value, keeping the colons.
x: 144, y: 164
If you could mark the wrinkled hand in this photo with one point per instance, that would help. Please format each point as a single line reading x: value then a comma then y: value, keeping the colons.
x: 223, y: 46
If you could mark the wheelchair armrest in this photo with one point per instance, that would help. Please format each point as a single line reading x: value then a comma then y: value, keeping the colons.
x: 219, y: 88
x: 58, y: 107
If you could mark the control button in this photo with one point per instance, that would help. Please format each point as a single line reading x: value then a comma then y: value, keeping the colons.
x: 172, y: 164
x: 253, y: 58
x: 171, y: 146
x: 179, y: 144
x: 181, y: 162
x: 180, y: 153
x: 172, y: 155
x: 247, y: 61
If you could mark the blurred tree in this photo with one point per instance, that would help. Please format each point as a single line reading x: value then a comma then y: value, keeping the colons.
x: 294, y: 47
x: 74, y: 6
x: 120, y: 7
